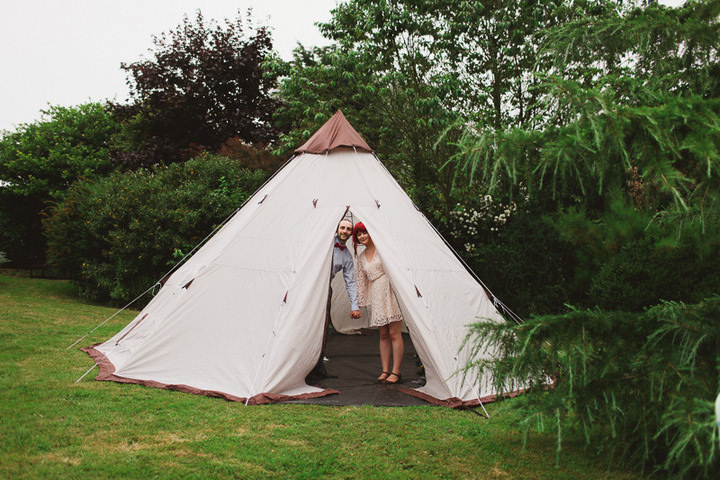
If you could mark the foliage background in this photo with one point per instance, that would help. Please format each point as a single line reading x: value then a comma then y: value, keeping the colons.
x: 118, y: 236
x: 38, y: 162
x: 567, y: 149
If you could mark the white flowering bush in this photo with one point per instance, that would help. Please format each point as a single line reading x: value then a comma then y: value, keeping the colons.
x: 470, y: 224
x: 3, y: 258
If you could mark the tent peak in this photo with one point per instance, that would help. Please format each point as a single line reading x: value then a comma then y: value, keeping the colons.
x: 335, y: 133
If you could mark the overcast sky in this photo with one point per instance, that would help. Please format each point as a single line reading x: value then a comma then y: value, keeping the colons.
x: 68, y: 52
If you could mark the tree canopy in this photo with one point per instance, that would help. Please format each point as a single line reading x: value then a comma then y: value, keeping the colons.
x: 203, y: 85
x: 39, y: 162
x: 632, y: 98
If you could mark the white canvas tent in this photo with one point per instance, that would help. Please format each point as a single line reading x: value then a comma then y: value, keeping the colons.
x: 243, y: 318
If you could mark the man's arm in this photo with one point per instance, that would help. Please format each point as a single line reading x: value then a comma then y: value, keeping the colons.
x: 351, y: 283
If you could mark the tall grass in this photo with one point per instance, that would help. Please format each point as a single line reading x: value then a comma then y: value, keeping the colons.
x: 51, y: 427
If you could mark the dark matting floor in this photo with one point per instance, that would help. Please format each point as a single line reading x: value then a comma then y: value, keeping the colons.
x: 353, y: 366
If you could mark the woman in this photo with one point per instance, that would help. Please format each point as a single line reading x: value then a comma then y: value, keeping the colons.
x: 374, y: 290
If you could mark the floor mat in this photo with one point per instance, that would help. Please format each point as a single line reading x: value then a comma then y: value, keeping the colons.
x: 353, y: 366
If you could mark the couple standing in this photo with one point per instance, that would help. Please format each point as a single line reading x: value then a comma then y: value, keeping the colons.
x: 370, y: 286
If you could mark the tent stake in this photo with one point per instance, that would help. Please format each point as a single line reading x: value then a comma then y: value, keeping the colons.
x: 85, y: 374
x: 487, y: 415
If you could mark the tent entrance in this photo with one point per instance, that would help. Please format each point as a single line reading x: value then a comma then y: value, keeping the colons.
x: 353, y: 366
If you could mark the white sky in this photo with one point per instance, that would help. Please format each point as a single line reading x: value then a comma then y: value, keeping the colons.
x: 68, y: 52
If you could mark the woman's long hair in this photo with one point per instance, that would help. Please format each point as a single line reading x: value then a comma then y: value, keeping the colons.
x: 359, y: 227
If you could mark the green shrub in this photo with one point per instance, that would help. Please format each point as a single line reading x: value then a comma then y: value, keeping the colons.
x: 643, y: 273
x: 526, y: 264
x: 117, y: 236
x: 640, y: 386
x: 515, y: 250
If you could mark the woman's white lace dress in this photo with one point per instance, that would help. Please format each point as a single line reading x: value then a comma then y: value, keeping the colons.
x: 374, y: 290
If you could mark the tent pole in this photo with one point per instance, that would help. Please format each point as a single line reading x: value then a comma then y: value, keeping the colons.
x: 473, y: 410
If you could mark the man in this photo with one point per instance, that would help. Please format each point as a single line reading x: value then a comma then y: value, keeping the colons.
x: 341, y: 260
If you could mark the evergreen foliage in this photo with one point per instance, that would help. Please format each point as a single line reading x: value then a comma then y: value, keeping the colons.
x: 624, y: 160
x: 632, y: 92
x: 640, y: 386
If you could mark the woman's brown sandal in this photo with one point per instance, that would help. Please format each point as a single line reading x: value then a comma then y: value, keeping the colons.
x: 383, y: 376
x: 399, y: 378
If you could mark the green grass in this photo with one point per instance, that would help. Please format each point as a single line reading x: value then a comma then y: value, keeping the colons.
x: 52, y: 427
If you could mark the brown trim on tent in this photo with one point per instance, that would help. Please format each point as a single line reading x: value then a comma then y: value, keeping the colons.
x: 107, y: 373
x: 455, y: 402
x: 335, y: 133
x: 131, y: 329
x: 187, y: 285
x: 274, y: 397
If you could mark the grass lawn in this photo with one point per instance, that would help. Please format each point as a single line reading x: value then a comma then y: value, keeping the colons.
x: 51, y: 427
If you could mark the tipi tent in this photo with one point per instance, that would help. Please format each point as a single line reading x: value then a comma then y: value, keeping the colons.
x: 243, y: 318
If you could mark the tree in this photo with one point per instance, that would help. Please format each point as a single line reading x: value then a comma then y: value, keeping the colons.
x: 203, y: 85
x: 318, y: 82
x: 39, y: 162
x: 632, y: 97
x: 630, y: 115
x: 414, y: 67
x: 625, y: 159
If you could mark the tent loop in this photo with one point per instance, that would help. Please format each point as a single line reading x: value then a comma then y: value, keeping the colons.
x: 131, y: 329
x: 109, y: 318
x: 377, y: 202
x: 347, y: 209
x: 315, y: 200
x: 417, y: 290
x: 263, y: 199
